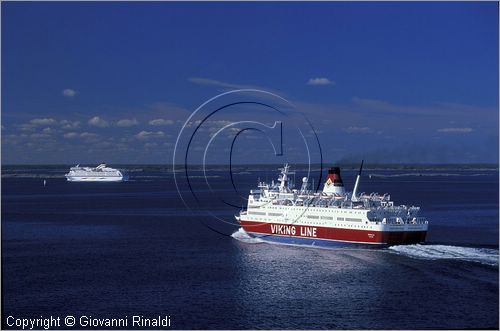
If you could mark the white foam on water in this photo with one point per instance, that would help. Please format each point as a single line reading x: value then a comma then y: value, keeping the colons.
x: 243, y: 236
x: 437, y: 252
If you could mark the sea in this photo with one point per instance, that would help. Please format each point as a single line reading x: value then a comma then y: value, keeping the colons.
x: 150, y: 248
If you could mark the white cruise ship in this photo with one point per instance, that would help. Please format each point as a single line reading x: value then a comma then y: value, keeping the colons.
x: 101, y: 173
x: 333, y: 217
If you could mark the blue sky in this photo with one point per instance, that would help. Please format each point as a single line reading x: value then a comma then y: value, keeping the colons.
x: 389, y: 82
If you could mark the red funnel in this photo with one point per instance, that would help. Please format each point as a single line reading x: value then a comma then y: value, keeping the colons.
x: 334, y: 177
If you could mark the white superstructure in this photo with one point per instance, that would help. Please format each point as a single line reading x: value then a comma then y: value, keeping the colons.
x: 101, y: 173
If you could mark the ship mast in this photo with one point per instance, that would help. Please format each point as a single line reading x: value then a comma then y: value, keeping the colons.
x: 283, y: 178
x: 355, y: 191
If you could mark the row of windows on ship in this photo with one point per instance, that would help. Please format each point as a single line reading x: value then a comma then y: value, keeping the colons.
x: 321, y: 210
x: 314, y: 217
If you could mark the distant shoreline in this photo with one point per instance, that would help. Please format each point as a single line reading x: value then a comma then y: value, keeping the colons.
x: 239, y: 167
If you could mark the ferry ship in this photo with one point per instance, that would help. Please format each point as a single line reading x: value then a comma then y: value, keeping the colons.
x: 333, y: 217
x: 101, y: 173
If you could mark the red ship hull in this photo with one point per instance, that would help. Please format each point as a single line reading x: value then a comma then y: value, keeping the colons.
x: 329, y: 236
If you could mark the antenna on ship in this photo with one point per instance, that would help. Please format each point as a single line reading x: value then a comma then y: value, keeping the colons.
x: 355, y: 191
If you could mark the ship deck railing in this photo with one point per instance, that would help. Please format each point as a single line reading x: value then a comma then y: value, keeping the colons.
x: 401, y: 221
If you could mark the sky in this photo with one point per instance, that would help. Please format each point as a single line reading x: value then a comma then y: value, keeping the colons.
x: 388, y: 82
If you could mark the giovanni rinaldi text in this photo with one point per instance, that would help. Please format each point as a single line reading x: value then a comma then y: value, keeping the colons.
x: 54, y: 322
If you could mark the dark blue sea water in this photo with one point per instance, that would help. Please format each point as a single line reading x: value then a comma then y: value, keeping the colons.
x: 114, y: 250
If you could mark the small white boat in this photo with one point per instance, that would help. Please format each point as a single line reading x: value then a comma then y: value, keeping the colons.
x: 101, y: 173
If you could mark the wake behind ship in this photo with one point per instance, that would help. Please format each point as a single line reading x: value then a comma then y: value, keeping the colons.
x: 333, y: 217
x: 101, y: 173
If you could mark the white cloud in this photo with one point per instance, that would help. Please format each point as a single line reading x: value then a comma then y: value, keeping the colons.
x: 69, y: 92
x: 67, y: 125
x: 145, y: 135
x: 99, y: 122
x: 127, y: 122
x: 39, y: 135
x: 455, y: 130
x: 357, y: 129
x: 84, y: 135
x: 88, y: 135
x: 70, y: 135
x: 232, y: 86
x: 219, y: 123
x: 191, y: 123
x: 213, y: 82
x: 320, y: 81
x: 47, y: 130
x: 160, y: 121
x: 445, y: 110
x: 43, y: 121
x: 27, y: 127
